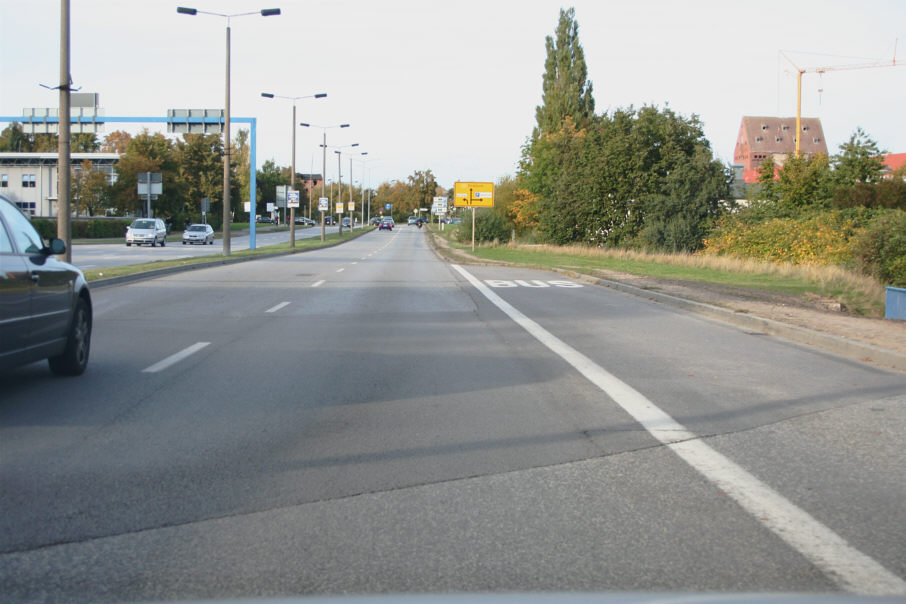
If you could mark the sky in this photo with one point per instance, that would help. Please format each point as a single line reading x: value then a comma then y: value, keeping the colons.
x: 452, y: 86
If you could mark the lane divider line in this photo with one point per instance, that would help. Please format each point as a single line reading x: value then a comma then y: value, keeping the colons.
x: 175, y: 358
x: 318, y: 283
x: 340, y: 270
x: 846, y: 566
x: 278, y: 307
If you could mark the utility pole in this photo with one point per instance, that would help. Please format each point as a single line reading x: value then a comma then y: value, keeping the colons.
x: 64, y: 173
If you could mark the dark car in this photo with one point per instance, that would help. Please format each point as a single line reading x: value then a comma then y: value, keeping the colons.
x: 45, y: 306
x: 329, y: 220
x: 386, y: 223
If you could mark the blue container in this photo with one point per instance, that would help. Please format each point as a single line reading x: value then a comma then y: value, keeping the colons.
x: 896, y: 303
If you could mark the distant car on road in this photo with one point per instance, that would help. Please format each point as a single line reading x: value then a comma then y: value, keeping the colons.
x: 346, y: 222
x: 45, y: 306
x: 413, y: 220
x: 375, y: 221
x: 198, y: 233
x: 147, y: 231
x: 302, y: 220
x: 264, y: 220
x: 386, y: 223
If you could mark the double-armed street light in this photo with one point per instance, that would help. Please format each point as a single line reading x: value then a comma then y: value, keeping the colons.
x: 267, y: 12
x: 292, y: 178
x: 323, y: 161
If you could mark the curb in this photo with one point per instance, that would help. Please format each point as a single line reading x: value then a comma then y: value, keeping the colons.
x: 163, y: 272
x: 837, y: 345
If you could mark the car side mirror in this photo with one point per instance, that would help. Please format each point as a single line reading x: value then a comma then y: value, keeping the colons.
x: 55, y: 247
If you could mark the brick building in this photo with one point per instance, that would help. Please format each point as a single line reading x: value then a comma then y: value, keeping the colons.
x: 761, y: 137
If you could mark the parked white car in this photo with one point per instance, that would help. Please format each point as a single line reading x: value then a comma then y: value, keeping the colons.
x: 198, y: 233
x: 147, y: 231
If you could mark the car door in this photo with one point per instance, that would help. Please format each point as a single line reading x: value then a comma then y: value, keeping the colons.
x: 50, y: 282
x: 15, y: 300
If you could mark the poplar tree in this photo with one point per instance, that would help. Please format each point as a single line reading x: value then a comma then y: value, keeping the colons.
x: 566, y: 92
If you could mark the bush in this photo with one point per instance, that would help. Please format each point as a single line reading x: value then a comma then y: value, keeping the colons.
x: 46, y: 228
x: 823, y: 238
x: 99, y: 228
x: 880, y: 250
x: 489, y: 226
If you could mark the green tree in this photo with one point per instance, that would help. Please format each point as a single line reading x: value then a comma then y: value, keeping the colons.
x: 805, y: 181
x: 565, y: 90
x: 268, y: 178
x: 90, y: 192
x: 767, y: 185
x: 147, y: 152
x: 199, y: 161
x: 859, y: 160
x: 14, y: 140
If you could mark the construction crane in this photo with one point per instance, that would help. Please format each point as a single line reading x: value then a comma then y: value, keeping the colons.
x: 822, y: 70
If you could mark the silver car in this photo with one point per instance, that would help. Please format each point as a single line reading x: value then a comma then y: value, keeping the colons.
x: 147, y: 231
x: 45, y: 306
x: 198, y: 233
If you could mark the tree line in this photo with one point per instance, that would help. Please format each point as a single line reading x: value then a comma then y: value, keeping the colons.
x: 647, y: 177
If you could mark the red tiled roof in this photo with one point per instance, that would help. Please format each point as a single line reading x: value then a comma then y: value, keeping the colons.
x: 777, y: 134
x: 895, y: 161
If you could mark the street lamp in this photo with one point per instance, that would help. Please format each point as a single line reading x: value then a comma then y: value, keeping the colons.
x: 292, y: 178
x: 267, y: 12
x: 323, y: 161
x: 362, y: 207
x: 337, y: 150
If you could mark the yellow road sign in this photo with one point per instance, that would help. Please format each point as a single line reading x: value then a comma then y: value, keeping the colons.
x: 473, y: 194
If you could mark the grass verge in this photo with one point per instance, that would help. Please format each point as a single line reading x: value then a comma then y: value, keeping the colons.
x: 859, y: 294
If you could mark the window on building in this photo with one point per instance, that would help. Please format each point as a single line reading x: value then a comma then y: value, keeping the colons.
x: 805, y: 128
x: 758, y: 139
x: 28, y: 207
x: 816, y: 140
x: 778, y: 139
x: 29, y: 181
x: 784, y: 127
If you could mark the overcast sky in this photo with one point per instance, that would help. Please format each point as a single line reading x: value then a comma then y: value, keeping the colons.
x: 452, y: 86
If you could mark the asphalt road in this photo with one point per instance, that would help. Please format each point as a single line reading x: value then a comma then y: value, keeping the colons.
x: 104, y: 255
x: 367, y: 418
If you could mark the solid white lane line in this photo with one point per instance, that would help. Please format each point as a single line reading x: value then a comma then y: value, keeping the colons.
x: 843, y: 564
x: 318, y: 283
x: 175, y: 358
x: 278, y: 307
x: 340, y: 270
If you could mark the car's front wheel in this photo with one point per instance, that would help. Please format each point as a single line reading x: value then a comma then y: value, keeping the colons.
x: 74, y: 358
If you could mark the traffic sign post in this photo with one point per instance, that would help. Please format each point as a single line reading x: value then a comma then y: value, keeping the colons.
x: 473, y: 195
x: 323, y: 206
x: 292, y: 202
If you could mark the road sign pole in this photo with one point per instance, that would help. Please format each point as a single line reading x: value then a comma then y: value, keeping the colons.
x: 473, y: 227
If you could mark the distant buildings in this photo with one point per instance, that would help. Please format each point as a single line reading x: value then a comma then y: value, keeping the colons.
x: 763, y: 137
x: 30, y: 179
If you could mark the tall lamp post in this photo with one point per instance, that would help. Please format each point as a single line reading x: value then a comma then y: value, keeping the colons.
x: 323, y: 161
x: 267, y: 12
x: 362, y: 207
x: 292, y: 178
x: 337, y: 150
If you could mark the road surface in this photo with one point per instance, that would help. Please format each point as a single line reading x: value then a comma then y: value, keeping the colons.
x: 370, y: 419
